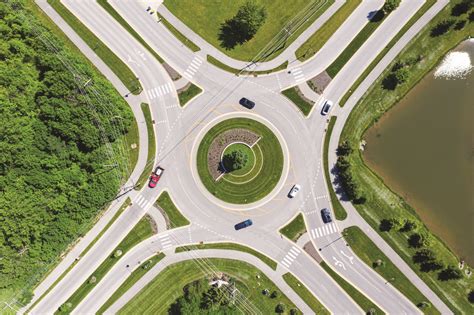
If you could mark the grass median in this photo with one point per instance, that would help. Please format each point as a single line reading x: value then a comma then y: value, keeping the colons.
x: 227, y: 68
x: 356, y: 43
x: 230, y: 246
x: 136, y: 275
x: 173, y: 215
x: 303, y: 104
x: 305, y: 294
x: 361, y: 300
x: 338, y: 209
x: 428, y: 4
x: 141, y: 231
x: 121, y: 70
x: 295, y: 228
x: 375, y: 258
x: 322, y: 35
x: 188, y: 94
x: 151, y: 147
x: 206, y: 19
x: 178, y: 34
x: 158, y: 295
x: 419, y: 57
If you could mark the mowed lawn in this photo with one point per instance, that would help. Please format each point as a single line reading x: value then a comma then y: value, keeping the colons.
x: 159, y: 294
x: 206, y: 16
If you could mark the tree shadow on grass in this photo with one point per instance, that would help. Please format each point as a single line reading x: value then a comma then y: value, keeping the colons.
x: 231, y: 34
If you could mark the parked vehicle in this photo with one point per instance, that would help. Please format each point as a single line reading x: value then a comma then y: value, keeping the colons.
x: 326, y: 215
x: 155, y: 176
x: 294, y: 191
x: 326, y: 107
x: 246, y: 103
x: 243, y: 224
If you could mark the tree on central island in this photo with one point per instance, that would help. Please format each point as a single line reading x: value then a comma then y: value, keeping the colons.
x: 235, y: 160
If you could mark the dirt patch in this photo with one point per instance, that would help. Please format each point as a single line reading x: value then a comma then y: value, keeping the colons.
x: 309, y: 248
x: 173, y: 73
x: 165, y: 215
x: 319, y: 82
x: 221, y: 142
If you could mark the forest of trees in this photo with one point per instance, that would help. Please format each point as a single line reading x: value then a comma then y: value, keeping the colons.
x: 55, y: 169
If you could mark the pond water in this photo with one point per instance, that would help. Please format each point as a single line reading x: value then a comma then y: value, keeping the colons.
x: 424, y: 150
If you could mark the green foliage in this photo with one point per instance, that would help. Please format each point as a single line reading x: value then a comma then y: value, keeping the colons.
x: 52, y: 175
x: 450, y: 273
x: 243, y: 26
x: 235, y: 160
x: 391, y: 5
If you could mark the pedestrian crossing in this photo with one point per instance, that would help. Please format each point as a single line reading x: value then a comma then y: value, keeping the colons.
x: 298, y: 75
x: 165, y: 241
x: 142, y: 202
x: 324, y: 230
x: 193, y: 67
x: 160, y: 91
x: 290, y: 256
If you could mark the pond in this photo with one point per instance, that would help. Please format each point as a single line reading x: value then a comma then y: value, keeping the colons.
x: 423, y: 148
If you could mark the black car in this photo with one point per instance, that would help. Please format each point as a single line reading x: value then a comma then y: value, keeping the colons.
x: 243, y: 224
x: 326, y: 215
x: 247, y: 103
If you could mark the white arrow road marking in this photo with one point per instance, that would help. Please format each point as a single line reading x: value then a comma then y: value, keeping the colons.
x: 351, y: 258
x: 338, y: 263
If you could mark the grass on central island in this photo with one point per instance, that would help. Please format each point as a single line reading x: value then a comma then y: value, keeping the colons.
x: 295, y: 228
x: 151, y: 147
x: 141, y: 231
x: 174, y: 216
x: 258, y: 186
x: 205, y: 17
x: 158, y: 295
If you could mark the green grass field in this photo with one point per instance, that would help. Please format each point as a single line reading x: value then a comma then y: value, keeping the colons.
x: 176, y: 219
x: 303, y: 105
x: 305, y: 294
x: 356, y: 43
x: 382, y: 202
x: 205, y: 17
x: 370, y: 253
x: 186, y: 95
x: 295, y: 228
x: 178, y: 34
x: 322, y: 35
x: 428, y: 4
x: 355, y: 294
x: 260, y: 185
x: 338, y: 209
x: 141, y: 231
x: 120, y: 69
x: 231, y: 246
x: 151, y: 147
x: 132, y: 138
x: 159, y: 294
x: 110, y: 9
x: 136, y: 275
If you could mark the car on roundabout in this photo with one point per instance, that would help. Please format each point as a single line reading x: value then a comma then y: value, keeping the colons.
x: 247, y: 103
x: 326, y: 107
x: 243, y: 224
x: 326, y: 215
x: 155, y: 177
x: 294, y: 191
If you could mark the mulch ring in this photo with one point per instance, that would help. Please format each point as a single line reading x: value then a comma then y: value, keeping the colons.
x: 221, y: 142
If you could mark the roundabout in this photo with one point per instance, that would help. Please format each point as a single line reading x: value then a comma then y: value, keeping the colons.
x: 239, y: 160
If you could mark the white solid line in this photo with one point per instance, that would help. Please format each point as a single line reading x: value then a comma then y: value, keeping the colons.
x: 163, y: 236
x: 296, y: 249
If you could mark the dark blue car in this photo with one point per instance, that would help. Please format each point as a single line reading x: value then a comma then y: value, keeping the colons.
x: 246, y: 103
x: 243, y: 224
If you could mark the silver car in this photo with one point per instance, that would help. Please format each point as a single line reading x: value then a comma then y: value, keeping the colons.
x: 294, y: 191
x: 326, y: 107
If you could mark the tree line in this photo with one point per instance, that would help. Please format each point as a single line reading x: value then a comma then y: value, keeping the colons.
x: 53, y: 162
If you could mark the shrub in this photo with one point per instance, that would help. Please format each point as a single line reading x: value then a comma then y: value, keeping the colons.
x: 391, y: 5
x: 280, y: 308
x: 450, y: 273
x: 441, y: 28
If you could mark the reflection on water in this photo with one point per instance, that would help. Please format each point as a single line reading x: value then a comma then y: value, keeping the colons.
x: 423, y: 148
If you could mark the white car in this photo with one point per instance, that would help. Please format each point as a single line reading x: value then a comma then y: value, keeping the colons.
x: 294, y: 191
x: 326, y: 107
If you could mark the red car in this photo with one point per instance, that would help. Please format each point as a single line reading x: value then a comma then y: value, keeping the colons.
x: 155, y: 177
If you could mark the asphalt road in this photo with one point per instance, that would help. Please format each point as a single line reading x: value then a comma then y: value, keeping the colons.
x: 177, y: 131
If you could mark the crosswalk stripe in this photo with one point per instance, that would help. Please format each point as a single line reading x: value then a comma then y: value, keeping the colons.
x: 284, y: 264
x: 165, y: 242
x: 320, y: 230
x: 195, y: 67
x: 163, y: 236
x: 196, y: 61
x: 336, y: 227
x: 171, y: 86
x: 294, y: 252
x: 291, y: 255
x: 167, y: 246
x: 296, y: 249
x: 297, y: 71
x: 187, y: 75
x: 140, y: 197
x: 288, y: 261
x: 312, y: 233
x: 157, y: 91
x: 188, y: 72
x: 327, y: 229
x: 330, y: 229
